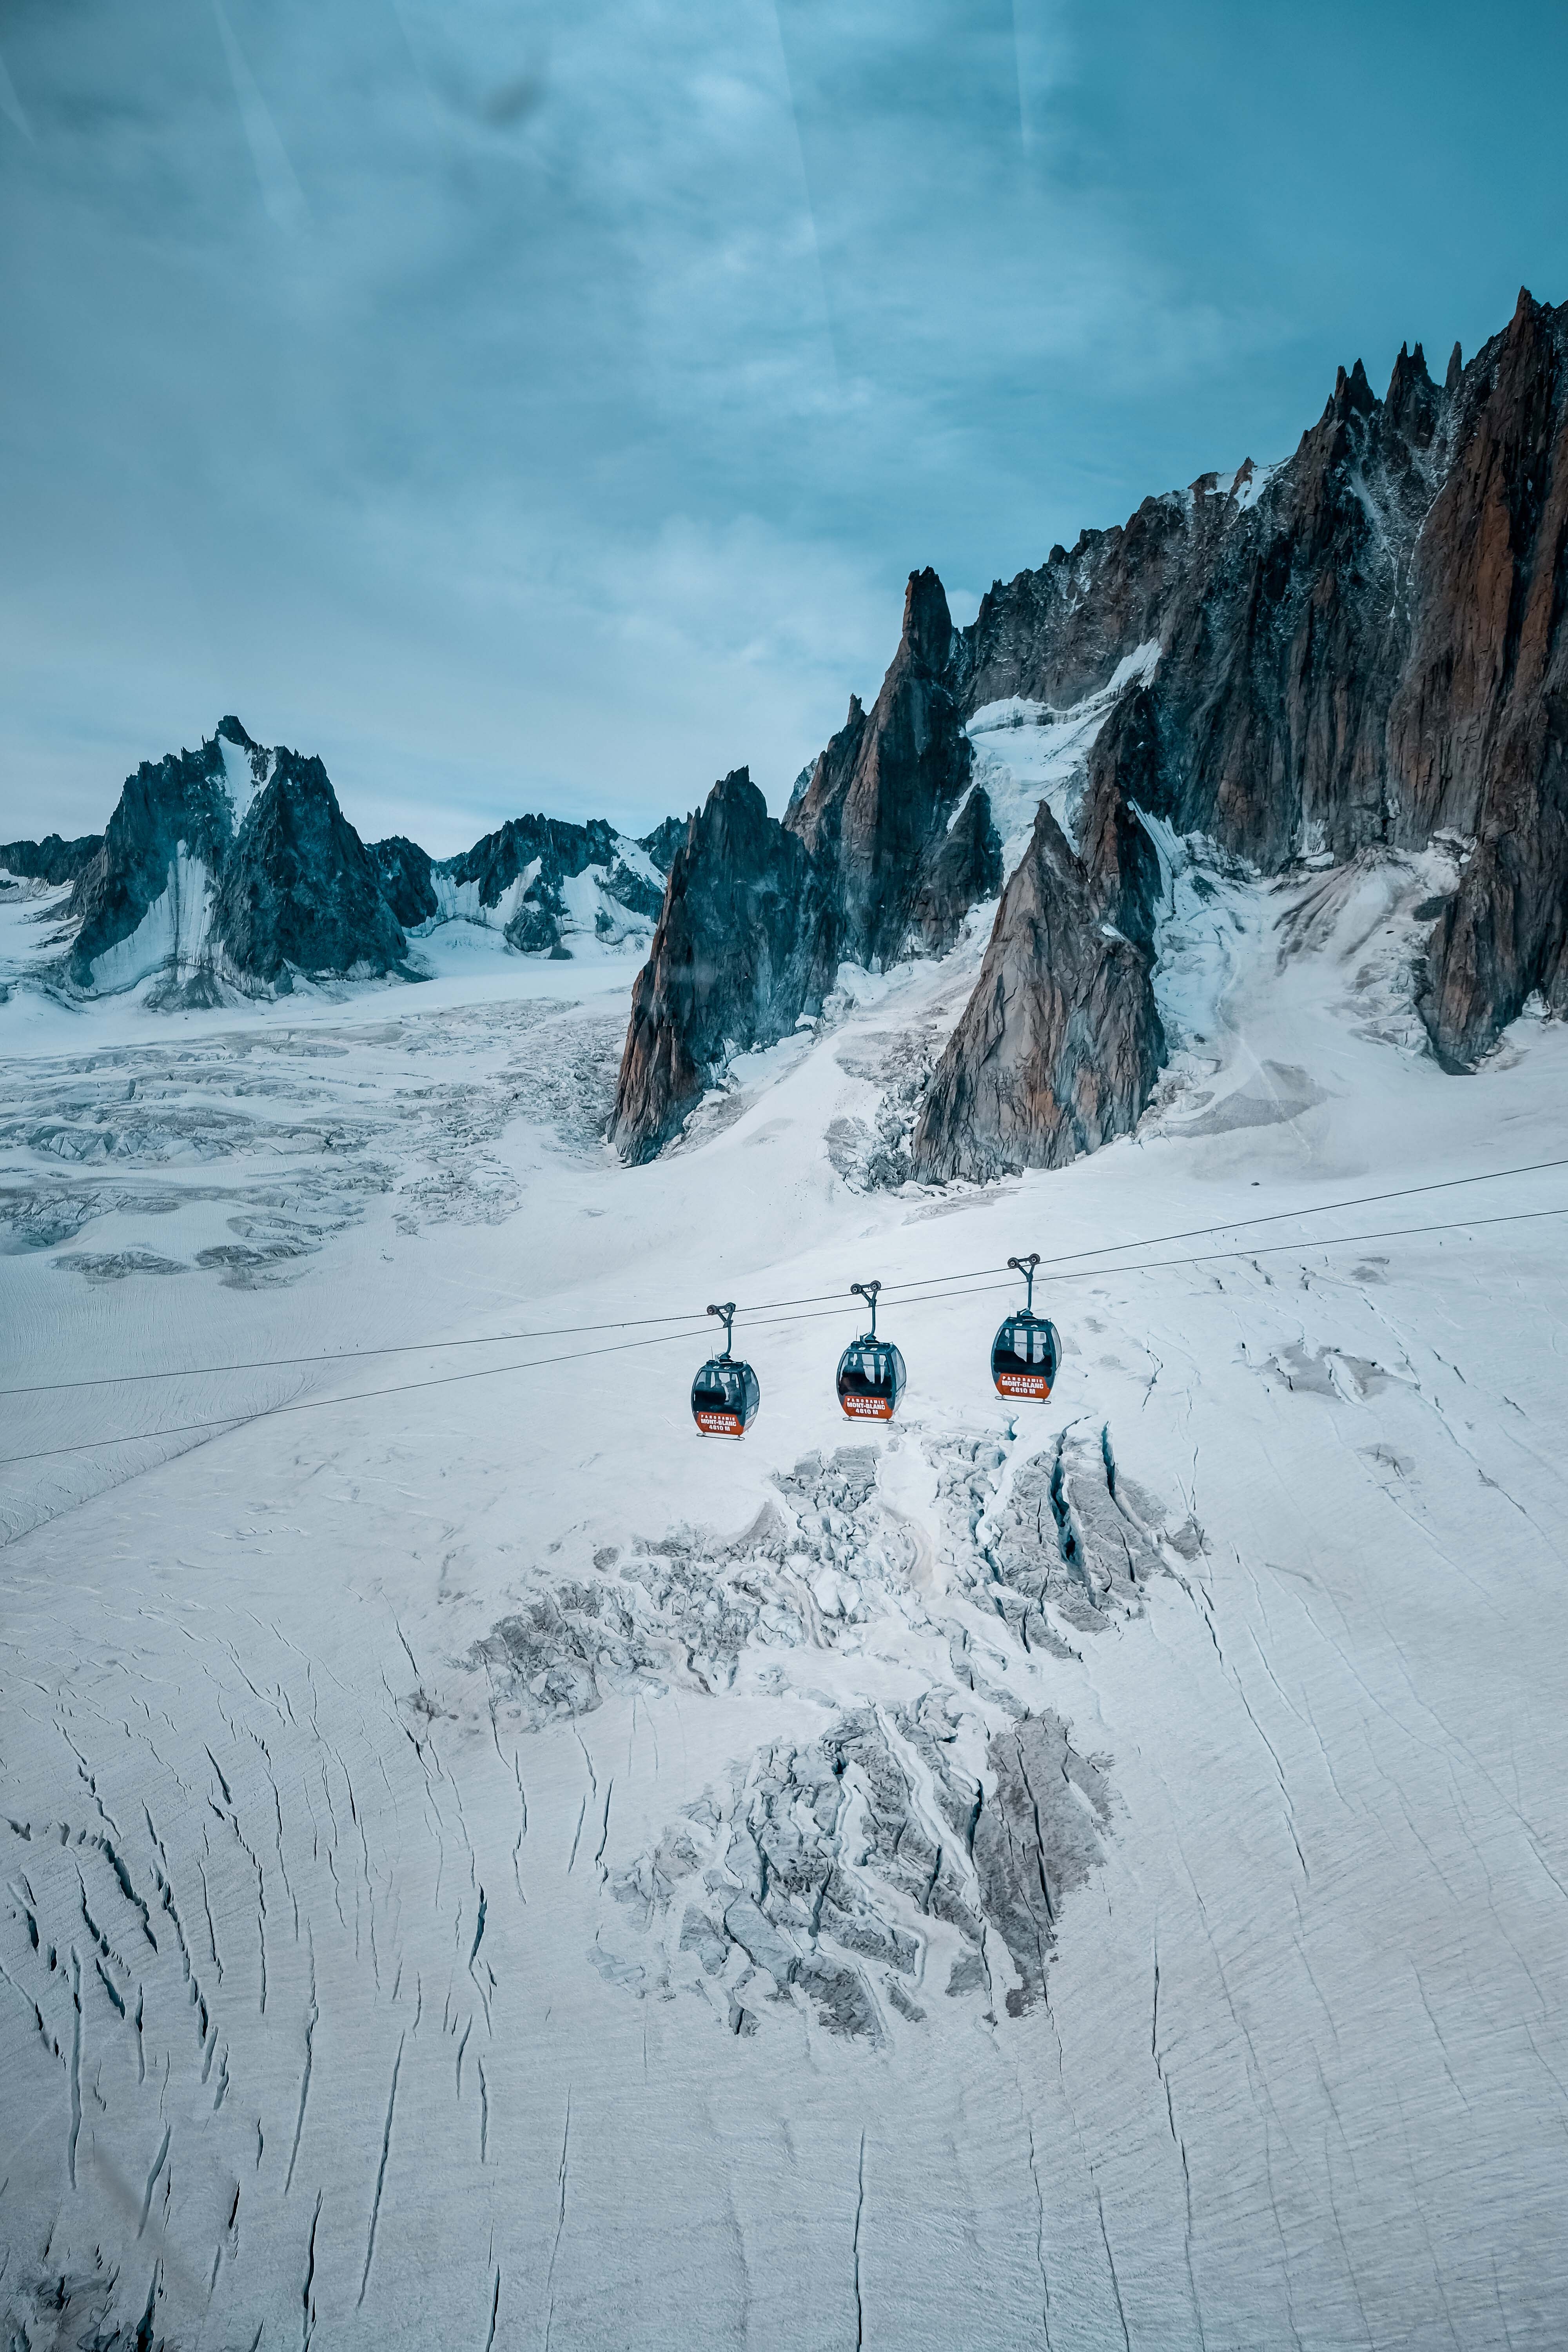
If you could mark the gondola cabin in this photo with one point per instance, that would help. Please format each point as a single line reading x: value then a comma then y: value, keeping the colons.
x: 1026, y: 1351
x: 871, y: 1377
x: 724, y: 1398
x: 1024, y: 1357
x: 871, y: 1373
x: 726, y: 1393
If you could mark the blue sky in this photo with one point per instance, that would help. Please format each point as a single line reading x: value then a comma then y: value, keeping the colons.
x: 542, y: 408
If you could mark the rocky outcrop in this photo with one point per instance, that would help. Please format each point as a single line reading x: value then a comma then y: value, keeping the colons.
x: 743, y: 946
x: 663, y: 842
x: 1059, y: 1046
x: 231, y: 866
x: 875, y: 811
x: 51, y: 860
x: 1478, y: 731
x: 299, y: 891
x: 960, y: 867
x: 164, y: 847
x: 403, y: 871
x: 885, y: 849
x: 1364, y: 645
x: 515, y: 879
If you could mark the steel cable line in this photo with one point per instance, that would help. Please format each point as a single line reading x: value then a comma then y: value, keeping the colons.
x: 578, y: 1355
x: 768, y: 1306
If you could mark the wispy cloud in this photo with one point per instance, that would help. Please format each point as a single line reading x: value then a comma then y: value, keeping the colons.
x: 616, y: 362
x: 280, y: 191
x: 11, y: 105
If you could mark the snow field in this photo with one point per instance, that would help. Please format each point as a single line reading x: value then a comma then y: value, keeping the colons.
x: 425, y: 1801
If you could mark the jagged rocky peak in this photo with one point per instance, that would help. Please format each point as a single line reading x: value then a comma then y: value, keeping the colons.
x: 523, y: 880
x: 228, y: 865
x: 877, y: 808
x: 50, y: 861
x: 744, y: 945
x: 663, y: 842
x: 1361, y: 646
x: 300, y: 892
x: 1412, y: 400
x: 1059, y: 1046
x: 881, y: 854
x: 404, y: 870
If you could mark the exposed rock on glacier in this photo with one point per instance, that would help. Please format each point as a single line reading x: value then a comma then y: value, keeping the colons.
x: 1059, y: 1046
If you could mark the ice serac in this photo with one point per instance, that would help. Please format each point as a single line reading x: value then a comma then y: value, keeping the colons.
x: 1059, y: 1046
x: 299, y: 891
x: 740, y: 951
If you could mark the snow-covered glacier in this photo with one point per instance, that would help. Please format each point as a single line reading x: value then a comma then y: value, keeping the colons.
x: 487, y: 1866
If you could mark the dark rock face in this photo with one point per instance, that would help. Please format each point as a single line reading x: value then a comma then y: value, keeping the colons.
x: 50, y: 860
x: 1060, y: 1043
x: 1368, y: 647
x: 878, y: 852
x: 403, y: 871
x: 181, y: 802
x: 557, y: 850
x: 299, y: 889
x: 740, y: 950
x: 663, y: 842
x: 247, y: 866
x: 960, y: 868
x: 880, y: 799
x: 1364, y: 645
x: 1127, y: 772
x: 1479, y: 730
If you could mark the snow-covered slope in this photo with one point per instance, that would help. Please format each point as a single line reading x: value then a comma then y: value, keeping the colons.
x: 485, y: 1865
x: 1027, y: 752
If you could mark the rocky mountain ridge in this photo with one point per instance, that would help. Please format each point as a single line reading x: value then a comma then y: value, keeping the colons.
x: 233, y: 868
x: 1362, y: 648
x: 50, y: 861
x: 883, y: 853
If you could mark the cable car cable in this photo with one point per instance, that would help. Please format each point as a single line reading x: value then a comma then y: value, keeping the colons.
x: 814, y: 1298
x: 1194, y: 1233
x: 540, y: 1364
